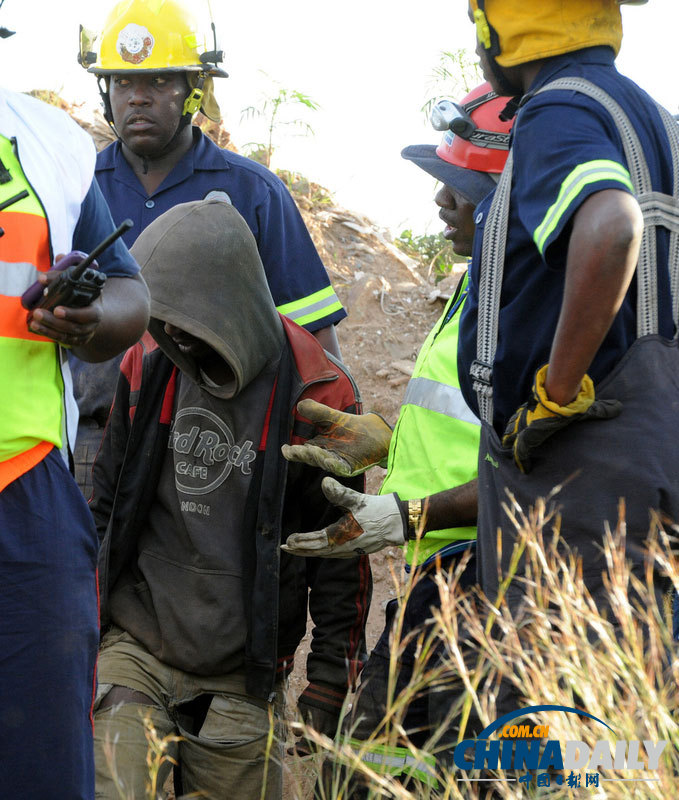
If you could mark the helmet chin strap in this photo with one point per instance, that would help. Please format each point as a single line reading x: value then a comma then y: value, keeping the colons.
x: 505, y: 86
x: 103, y: 93
x: 184, y: 120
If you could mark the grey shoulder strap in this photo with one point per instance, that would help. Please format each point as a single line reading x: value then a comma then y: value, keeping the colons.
x: 658, y: 209
x: 490, y: 287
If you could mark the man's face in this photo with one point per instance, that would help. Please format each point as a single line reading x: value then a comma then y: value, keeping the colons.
x: 147, y: 108
x: 458, y: 214
x: 188, y: 344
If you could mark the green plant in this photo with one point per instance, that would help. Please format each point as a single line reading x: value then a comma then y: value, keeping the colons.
x: 274, y: 107
x: 455, y: 75
x: 434, y: 253
x: 301, y: 187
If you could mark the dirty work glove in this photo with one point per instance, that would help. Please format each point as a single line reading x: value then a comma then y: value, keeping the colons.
x: 344, y: 444
x: 540, y: 418
x: 319, y: 706
x: 371, y: 523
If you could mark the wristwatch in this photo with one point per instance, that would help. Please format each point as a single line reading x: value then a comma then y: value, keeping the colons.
x: 414, y: 518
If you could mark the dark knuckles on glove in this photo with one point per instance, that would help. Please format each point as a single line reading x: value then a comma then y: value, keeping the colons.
x: 539, y: 418
x: 320, y: 706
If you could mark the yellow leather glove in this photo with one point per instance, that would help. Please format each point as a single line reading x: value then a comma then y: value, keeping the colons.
x: 540, y: 418
x: 344, y: 444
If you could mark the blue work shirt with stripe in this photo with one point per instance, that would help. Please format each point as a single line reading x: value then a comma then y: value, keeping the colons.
x: 297, y: 278
x: 566, y: 147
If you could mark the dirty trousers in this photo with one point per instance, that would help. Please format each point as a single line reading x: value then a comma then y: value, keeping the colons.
x: 225, y: 750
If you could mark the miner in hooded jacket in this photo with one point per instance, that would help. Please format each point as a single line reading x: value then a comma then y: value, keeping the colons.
x: 192, y: 499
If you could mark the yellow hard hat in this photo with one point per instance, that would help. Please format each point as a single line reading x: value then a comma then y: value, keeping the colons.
x: 516, y: 32
x: 154, y: 36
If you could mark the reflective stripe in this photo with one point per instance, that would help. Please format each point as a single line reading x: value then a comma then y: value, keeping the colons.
x: 393, y: 761
x: 313, y: 307
x: 398, y: 760
x: 433, y: 414
x: 16, y: 278
x: 581, y: 176
x: 439, y: 397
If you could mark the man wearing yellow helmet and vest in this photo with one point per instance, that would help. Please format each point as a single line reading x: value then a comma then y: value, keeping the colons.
x: 567, y: 342
x: 428, y: 500
x: 155, y: 72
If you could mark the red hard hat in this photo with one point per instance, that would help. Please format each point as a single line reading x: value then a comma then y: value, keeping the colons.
x: 485, y: 150
x: 475, y: 143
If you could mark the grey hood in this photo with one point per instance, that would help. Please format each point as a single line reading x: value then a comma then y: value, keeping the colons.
x: 205, y: 276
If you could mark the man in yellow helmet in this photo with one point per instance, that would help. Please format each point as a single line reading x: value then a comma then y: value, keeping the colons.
x: 155, y: 71
x: 567, y: 348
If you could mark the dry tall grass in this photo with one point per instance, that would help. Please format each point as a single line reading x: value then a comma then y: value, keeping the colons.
x: 618, y: 665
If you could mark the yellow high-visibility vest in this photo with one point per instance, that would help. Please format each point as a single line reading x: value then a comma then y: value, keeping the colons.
x: 435, y: 443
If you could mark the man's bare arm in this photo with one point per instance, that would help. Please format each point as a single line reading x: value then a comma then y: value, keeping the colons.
x: 602, y: 256
x: 328, y: 338
x: 451, y: 508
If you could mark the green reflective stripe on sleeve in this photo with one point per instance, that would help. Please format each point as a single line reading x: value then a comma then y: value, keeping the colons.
x: 319, y: 314
x: 581, y: 176
x: 390, y: 760
x: 313, y: 307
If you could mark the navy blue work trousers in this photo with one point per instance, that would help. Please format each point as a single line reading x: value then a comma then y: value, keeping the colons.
x: 49, y: 632
x: 427, y: 709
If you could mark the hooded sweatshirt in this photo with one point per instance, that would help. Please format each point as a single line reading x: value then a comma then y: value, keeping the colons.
x: 183, y: 596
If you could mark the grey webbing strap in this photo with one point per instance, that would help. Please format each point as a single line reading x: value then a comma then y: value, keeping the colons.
x: 670, y: 219
x: 660, y: 209
x: 490, y: 287
x: 647, y: 276
x: 656, y: 206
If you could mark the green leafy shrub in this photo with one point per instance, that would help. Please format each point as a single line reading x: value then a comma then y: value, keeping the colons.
x: 434, y: 253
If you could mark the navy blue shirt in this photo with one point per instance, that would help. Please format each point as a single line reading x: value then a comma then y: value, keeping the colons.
x: 297, y: 278
x: 93, y: 226
x: 566, y: 147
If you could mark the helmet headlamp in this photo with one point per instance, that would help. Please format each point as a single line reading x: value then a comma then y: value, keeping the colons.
x: 449, y: 116
x: 456, y: 118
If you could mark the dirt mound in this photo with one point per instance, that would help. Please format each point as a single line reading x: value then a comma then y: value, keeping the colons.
x: 388, y: 296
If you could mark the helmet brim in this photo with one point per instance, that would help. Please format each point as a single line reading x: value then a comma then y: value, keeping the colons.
x: 215, y: 72
x: 471, y: 183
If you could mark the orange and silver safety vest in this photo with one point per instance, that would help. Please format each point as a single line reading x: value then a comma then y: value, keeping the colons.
x: 47, y: 169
